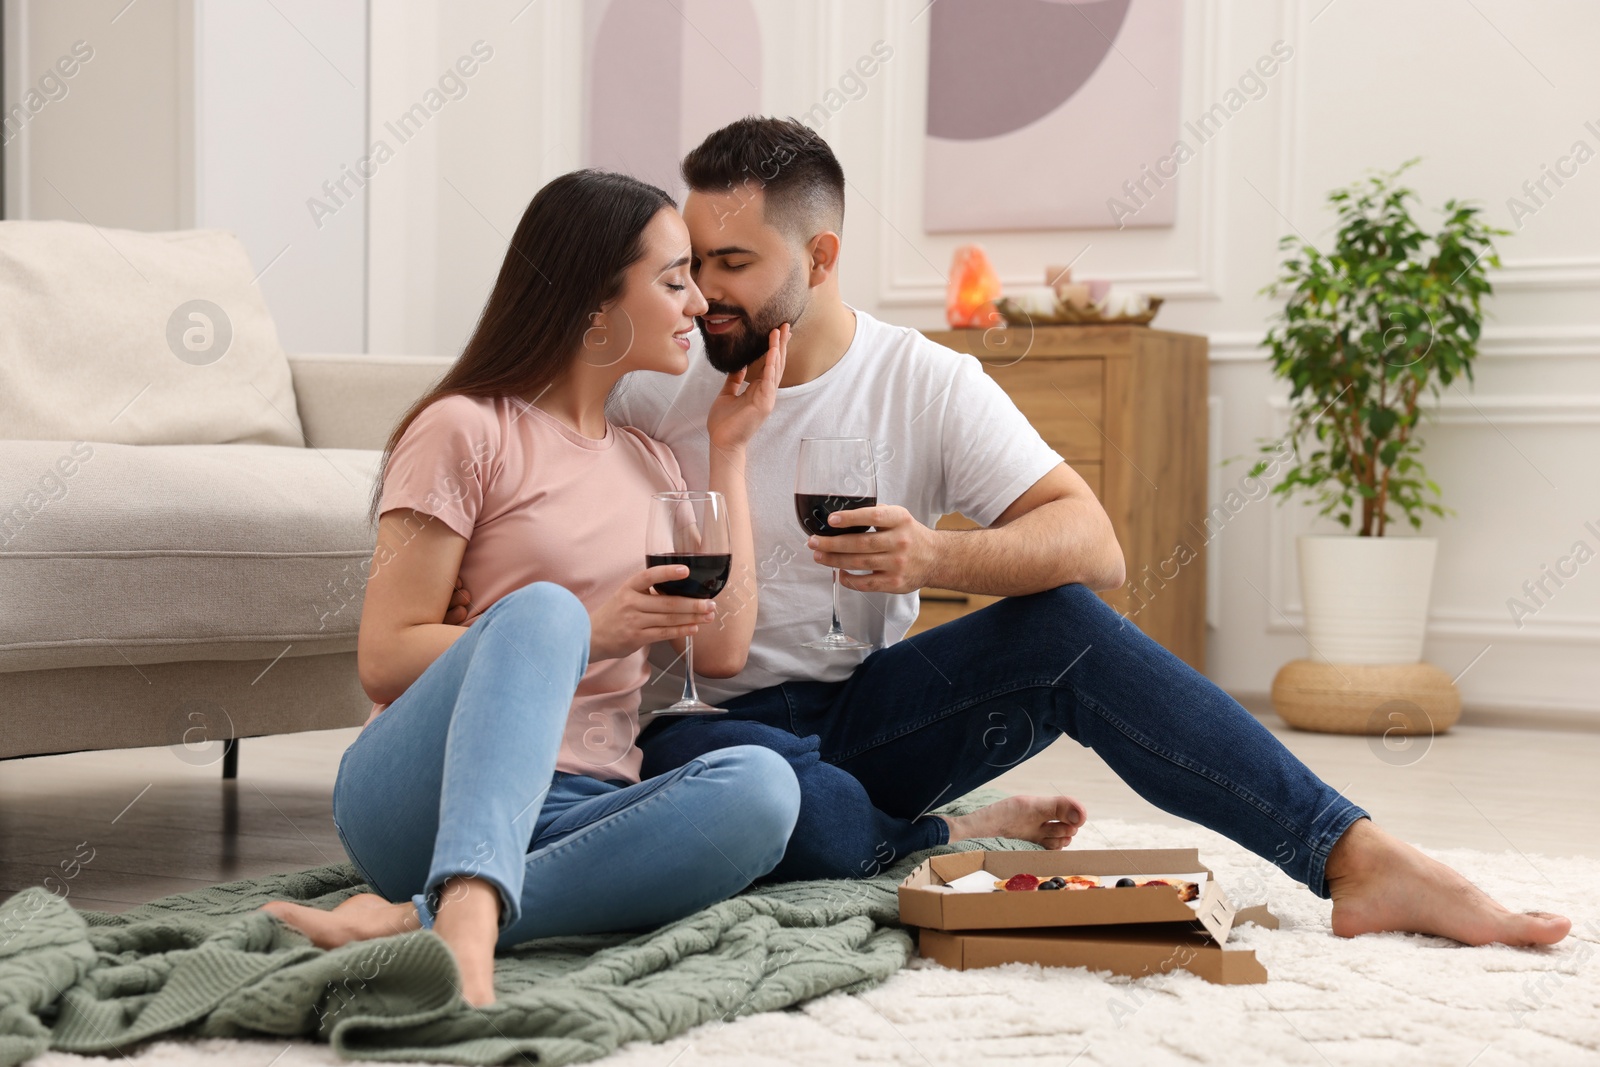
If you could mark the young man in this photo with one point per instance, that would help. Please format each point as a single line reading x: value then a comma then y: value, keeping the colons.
x: 880, y: 739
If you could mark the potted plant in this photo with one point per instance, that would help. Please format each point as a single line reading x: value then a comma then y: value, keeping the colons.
x: 1384, y: 320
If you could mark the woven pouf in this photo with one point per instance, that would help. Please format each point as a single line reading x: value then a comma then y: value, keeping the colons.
x: 1348, y: 698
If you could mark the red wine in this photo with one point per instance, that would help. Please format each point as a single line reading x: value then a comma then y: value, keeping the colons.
x: 814, y: 509
x: 707, y: 574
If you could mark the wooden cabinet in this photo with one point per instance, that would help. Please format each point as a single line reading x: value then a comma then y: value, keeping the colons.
x: 1126, y: 407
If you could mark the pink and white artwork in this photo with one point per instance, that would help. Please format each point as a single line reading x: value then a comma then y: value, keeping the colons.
x: 662, y: 74
x: 1039, y: 112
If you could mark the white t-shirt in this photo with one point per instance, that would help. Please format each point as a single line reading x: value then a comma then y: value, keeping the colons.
x: 945, y: 436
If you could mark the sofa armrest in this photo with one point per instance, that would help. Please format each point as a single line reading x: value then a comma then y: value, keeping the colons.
x: 354, y: 400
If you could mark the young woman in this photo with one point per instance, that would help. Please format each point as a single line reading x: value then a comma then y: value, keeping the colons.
x: 494, y: 794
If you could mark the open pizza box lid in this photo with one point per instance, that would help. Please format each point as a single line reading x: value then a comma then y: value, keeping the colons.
x: 923, y: 904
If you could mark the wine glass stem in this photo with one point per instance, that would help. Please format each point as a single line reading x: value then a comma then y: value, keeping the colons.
x: 688, y: 670
x: 836, y: 629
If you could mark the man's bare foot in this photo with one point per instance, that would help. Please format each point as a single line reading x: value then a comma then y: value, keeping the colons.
x: 1046, y: 821
x: 361, y: 918
x: 468, y: 919
x: 1379, y: 882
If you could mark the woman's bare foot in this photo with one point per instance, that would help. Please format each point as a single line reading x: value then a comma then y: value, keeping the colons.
x: 1046, y: 821
x: 1379, y: 882
x: 468, y: 919
x: 361, y: 918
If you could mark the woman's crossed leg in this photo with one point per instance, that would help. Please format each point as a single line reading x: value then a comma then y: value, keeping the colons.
x: 449, y: 805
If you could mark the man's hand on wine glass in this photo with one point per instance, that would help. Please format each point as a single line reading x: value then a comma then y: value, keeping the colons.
x: 735, y: 417
x: 899, y: 551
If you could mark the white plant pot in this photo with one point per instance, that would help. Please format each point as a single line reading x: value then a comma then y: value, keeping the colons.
x: 1366, y: 598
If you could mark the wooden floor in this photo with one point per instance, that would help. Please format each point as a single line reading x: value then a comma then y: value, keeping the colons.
x: 114, y: 829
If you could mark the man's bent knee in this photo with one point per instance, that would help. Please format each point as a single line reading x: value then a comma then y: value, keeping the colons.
x: 670, y: 748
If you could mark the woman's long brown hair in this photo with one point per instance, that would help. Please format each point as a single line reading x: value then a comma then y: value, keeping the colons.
x: 567, y: 259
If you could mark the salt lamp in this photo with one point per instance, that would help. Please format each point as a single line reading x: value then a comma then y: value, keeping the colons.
x: 974, y: 287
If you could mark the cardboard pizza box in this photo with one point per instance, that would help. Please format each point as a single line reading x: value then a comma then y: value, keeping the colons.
x: 1133, y: 931
x: 922, y: 904
x: 1138, y: 951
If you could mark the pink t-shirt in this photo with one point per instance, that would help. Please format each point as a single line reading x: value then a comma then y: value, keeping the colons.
x: 537, y: 501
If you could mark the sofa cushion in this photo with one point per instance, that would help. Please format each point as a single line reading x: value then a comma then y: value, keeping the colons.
x: 137, y: 338
x: 126, y: 554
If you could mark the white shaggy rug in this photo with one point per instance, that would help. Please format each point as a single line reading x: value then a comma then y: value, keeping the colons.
x: 1378, y: 999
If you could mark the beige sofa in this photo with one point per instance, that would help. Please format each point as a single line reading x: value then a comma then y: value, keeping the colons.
x: 183, y: 532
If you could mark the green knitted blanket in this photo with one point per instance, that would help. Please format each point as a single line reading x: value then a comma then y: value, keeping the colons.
x: 208, y: 964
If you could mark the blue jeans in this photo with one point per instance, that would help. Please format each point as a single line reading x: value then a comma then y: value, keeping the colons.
x: 457, y: 777
x: 929, y: 718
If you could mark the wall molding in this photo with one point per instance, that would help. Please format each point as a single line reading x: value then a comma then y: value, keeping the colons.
x: 1461, y: 624
x: 1525, y: 714
x: 1214, y: 443
x: 1532, y: 714
x: 1575, y: 272
x: 561, y: 127
x: 1529, y: 342
x: 1549, y: 272
x: 902, y: 286
x: 17, y: 205
x: 1287, y: 616
x: 1201, y: 282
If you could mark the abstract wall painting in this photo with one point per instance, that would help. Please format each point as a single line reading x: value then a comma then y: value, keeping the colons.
x: 1041, y: 113
x: 661, y: 75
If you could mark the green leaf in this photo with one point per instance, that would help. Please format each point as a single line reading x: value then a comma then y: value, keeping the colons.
x: 1381, y: 421
x: 1387, y: 314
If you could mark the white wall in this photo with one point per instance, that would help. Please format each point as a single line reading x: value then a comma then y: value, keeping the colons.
x: 106, y: 142
x: 210, y: 113
x: 280, y: 94
x: 1486, y: 92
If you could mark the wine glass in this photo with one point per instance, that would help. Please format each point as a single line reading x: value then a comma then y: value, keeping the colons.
x: 689, y: 529
x: 835, y: 474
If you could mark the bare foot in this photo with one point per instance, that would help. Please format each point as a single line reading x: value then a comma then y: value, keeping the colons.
x: 1381, y: 883
x: 1046, y: 821
x: 361, y: 918
x: 468, y: 920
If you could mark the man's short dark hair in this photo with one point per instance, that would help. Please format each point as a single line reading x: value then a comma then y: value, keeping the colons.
x: 786, y: 159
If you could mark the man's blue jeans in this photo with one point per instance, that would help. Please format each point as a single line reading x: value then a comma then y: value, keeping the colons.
x: 929, y: 718
x: 457, y: 777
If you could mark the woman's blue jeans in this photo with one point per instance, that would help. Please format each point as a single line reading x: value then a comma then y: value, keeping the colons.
x: 457, y: 777
x: 929, y: 718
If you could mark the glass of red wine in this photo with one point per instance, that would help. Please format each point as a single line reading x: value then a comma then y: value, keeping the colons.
x: 835, y: 474
x: 691, y: 530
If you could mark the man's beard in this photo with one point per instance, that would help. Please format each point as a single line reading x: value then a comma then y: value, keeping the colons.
x: 738, y: 348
